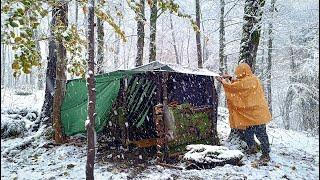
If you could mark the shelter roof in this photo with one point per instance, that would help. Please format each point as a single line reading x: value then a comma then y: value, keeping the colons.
x: 159, y: 66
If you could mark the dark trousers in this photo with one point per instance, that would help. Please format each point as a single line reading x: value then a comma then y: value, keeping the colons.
x: 261, y: 133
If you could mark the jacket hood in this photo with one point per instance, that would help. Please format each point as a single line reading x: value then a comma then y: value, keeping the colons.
x: 243, y: 70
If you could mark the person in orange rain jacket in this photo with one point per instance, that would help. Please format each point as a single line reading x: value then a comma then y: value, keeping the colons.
x: 248, y: 108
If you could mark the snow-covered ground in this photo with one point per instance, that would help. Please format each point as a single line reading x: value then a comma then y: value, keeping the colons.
x: 294, y: 155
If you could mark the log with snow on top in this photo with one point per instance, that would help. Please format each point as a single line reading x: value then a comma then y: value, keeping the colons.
x: 200, y: 156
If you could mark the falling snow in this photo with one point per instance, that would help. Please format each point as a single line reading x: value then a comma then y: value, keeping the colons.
x: 289, y: 158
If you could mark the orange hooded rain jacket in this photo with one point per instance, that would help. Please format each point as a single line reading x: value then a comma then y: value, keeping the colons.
x: 246, y: 101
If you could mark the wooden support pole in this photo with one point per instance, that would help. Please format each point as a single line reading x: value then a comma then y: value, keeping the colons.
x: 214, y: 113
x: 165, y: 109
x: 158, y: 120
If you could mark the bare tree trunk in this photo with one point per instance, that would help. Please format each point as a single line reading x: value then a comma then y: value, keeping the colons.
x: 100, y: 53
x: 31, y: 80
x: 221, y: 43
x: 117, y: 48
x: 125, y: 64
x: 77, y: 13
x: 11, y: 79
x: 174, y: 41
x: 153, y: 31
x: 198, y: 40
x: 288, y: 108
x: 40, y: 78
x: 251, y: 32
x: 290, y: 92
x: 3, y: 61
x: 50, y: 75
x: 182, y: 49
x: 188, y: 43
x: 90, y: 123
x: 161, y: 42
x: 39, y: 82
x: 269, y: 67
x: 205, y: 51
x: 292, y: 62
x: 140, y: 32
x: 62, y: 15
x: 260, y: 68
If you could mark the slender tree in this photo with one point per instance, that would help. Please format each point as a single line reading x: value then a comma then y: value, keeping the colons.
x: 90, y: 123
x: 77, y: 13
x: 198, y: 40
x: 270, y: 45
x: 188, y: 44
x: 3, y: 60
x: 100, y: 53
x: 39, y: 69
x: 174, y: 41
x: 140, y: 16
x: 153, y: 30
x: 221, y: 42
x: 117, y: 46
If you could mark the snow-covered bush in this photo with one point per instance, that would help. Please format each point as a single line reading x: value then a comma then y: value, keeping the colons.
x: 16, y: 121
x: 12, y: 127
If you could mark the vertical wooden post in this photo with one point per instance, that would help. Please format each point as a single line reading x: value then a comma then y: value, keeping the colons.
x: 165, y: 106
x: 158, y: 120
x: 158, y: 117
x: 121, y: 114
x: 214, y: 113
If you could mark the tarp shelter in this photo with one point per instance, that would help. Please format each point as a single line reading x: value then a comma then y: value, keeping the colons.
x: 131, y: 95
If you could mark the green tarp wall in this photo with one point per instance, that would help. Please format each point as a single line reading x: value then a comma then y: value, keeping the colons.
x: 74, y: 107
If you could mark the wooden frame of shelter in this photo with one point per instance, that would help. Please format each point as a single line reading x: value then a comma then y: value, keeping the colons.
x: 162, y: 76
x: 155, y: 105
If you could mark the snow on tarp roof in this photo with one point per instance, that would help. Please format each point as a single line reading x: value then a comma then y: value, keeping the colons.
x: 159, y: 66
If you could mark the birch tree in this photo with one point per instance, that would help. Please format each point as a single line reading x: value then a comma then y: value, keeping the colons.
x: 221, y: 43
x: 270, y: 45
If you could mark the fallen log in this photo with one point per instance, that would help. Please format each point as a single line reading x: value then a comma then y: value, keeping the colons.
x: 201, y: 156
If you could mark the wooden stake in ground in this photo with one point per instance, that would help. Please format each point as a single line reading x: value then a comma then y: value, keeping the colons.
x: 90, y: 123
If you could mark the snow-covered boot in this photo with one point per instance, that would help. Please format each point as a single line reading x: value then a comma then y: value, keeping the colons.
x: 252, y: 150
x: 264, y: 158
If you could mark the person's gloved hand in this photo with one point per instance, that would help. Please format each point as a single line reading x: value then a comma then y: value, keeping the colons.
x: 219, y: 78
x: 226, y: 75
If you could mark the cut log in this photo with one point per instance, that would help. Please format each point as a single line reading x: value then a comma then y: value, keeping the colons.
x: 201, y: 156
